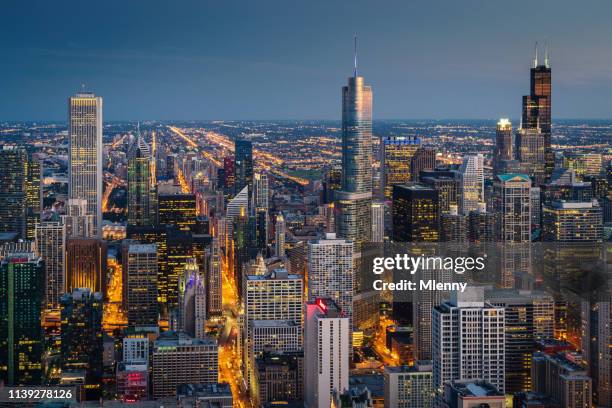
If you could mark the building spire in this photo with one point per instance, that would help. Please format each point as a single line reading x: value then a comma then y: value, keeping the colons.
x: 355, y: 55
x: 546, y: 58
x: 535, y: 56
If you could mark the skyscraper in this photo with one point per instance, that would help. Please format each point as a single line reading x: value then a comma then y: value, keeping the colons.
x: 472, y: 183
x: 140, y: 285
x: 82, y: 347
x: 326, y: 352
x: 21, y: 336
x: 424, y: 159
x: 396, y: 156
x: 141, y: 209
x: 13, y: 174
x: 596, y: 318
x: 243, y: 165
x: 572, y: 222
x: 415, y: 214
x: 503, y: 145
x: 78, y: 223
x: 177, y: 209
x: 86, y: 264
x: 331, y: 272
x: 192, y: 301
x: 512, y: 201
x: 51, y: 245
x: 468, y: 340
x: 530, y: 153
x: 537, y: 106
x: 378, y: 222
x: 279, y: 235
x: 214, y: 294
x: 85, y: 153
x: 33, y: 193
x: 353, y: 202
x: 409, y: 387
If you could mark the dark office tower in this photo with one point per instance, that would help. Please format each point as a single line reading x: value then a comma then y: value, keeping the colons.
x: 453, y: 226
x: 596, y: 318
x: 170, y: 164
x: 332, y: 181
x: 243, y: 165
x: 13, y: 186
x: 214, y: 287
x: 179, y: 247
x: 396, y: 154
x: 261, y: 229
x: 22, y: 285
x: 140, y: 202
x: 537, y: 107
x: 424, y: 159
x: 503, y: 145
x: 81, y: 350
x: 177, y: 209
x: 140, y: 285
x: 482, y: 225
x: 244, y: 250
x: 415, y: 214
x: 155, y: 235
x: 448, y: 184
x: 354, y: 201
x: 86, y: 264
x: 33, y: 194
x: 530, y: 317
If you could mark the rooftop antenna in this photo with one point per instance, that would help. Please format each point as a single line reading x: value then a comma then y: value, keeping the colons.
x: 546, y: 58
x: 355, y: 55
x: 535, y: 56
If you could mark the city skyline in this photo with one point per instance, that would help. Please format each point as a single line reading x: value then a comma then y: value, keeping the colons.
x: 144, y: 70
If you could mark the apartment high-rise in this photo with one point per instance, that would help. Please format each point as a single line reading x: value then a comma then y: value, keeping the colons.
x: 378, y: 222
x: 22, y: 290
x: 512, y: 201
x: 537, y: 107
x: 13, y: 176
x: 78, y: 223
x: 415, y: 214
x: 326, y: 352
x: 214, y: 294
x: 85, y: 154
x: 331, y: 272
x: 50, y: 239
x: 140, y: 285
x: 279, y: 235
x: 468, y: 340
x: 33, y: 193
x: 353, y: 202
x: 396, y: 155
x: 453, y: 226
x: 471, y: 175
x: 409, y: 386
x: 141, y: 204
x: 179, y: 359
x: 482, y: 225
x: 564, y: 377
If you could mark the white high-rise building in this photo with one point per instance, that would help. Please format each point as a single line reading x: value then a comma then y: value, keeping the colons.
x: 326, y: 352
x: 331, y: 272
x: 192, y: 301
x: 136, y: 348
x: 378, y: 222
x: 472, y: 182
x: 51, y: 246
x: 268, y: 299
x: 85, y: 154
x: 409, y: 386
x: 260, y: 191
x: 279, y: 235
x: 512, y: 201
x: 468, y: 340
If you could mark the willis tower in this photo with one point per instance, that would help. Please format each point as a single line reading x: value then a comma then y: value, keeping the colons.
x: 536, y: 107
x: 354, y: 201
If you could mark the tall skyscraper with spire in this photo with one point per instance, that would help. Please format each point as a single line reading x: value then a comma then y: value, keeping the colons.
x: 537, y: 106
x: 354, y: 201
x: 85, y: 143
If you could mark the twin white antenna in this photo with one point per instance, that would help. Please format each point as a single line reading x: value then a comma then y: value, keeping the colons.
x: 546, y: 56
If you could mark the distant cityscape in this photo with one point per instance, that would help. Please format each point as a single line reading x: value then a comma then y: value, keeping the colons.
x: 227, y: 263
